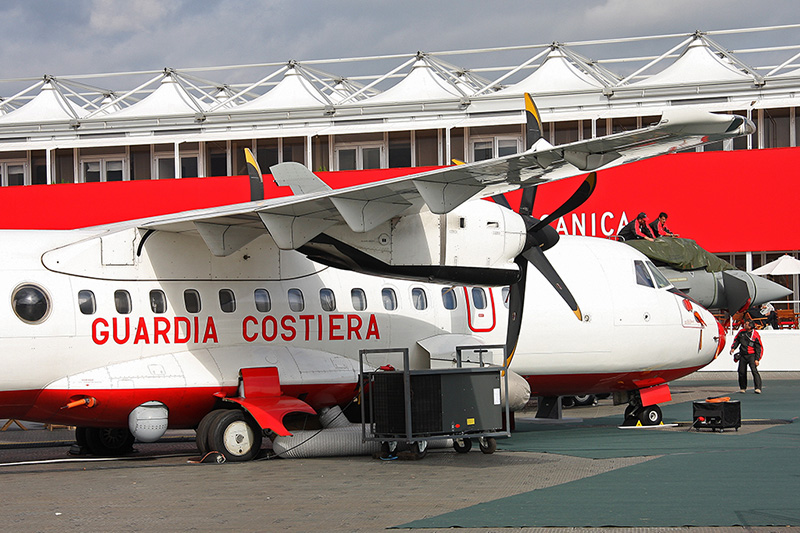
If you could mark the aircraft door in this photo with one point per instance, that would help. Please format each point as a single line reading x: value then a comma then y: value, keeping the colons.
x: 480, y: 303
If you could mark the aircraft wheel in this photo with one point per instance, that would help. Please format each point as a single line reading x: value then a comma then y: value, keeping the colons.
x: 630, y: 411
x: 80, y: 437
x: 650, y: 415
x: 109, y: 442
x: 201, y: 433
x: 235, y: 435
x: 462, y: 445
x: 586, y: 399
x: 487, y: 444
x: 419, y: 449
x: 567, y: 401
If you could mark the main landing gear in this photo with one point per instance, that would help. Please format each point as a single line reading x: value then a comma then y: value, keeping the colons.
x: 231, y: 432
x: 649, y: 415
x: 104, y: 442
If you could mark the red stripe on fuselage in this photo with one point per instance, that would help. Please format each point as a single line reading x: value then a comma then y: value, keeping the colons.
x: 186, y: 405
x: 578, y: 384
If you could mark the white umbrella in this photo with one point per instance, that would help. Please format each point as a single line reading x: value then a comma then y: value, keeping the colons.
x: 784, y: 265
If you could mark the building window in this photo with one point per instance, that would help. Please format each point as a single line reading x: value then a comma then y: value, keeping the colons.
x: 419, y: 298
x: 158, y: 301
x: 122, y: 302
x: 389, y: 299
x: 296, y: 300
x: 327, y: 300
x: 86, y: 302
x: 263, y: 301
x: 449, y: 298
x: 191, y: 299
x: 359, y: 299
x: 13, y: 173
x: 359, y: 157
x: 227, y: 301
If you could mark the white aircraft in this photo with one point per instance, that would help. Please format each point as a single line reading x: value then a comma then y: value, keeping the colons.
x: 216, y: 319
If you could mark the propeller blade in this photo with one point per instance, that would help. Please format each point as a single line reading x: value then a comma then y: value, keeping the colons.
x: 573, y: 202
x: 256, y: 178
x: 501, y: 200
x: 537, y: 258
x: 516, y: 301
x: 526, y: 202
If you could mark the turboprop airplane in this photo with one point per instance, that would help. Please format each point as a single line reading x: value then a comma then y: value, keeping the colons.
x: 217, y: 320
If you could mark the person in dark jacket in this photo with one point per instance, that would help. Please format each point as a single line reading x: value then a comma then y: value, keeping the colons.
x: 750, y: 351
x: 659, y: 226
x: 637, y: 229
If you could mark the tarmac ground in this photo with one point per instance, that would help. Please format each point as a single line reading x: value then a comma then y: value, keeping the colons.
x: 580, y: 473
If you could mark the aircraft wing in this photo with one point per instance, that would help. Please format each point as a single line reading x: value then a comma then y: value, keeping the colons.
x: 293, y: 221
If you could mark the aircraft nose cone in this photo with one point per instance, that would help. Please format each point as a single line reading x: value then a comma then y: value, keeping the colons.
x: 767, y: 290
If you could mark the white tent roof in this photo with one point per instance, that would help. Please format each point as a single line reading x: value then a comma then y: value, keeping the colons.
x: 170, y: 98
x: 422, y: 83
x: 697, y: 64
x: 47, y: 106
x: 293, y: 91
x: 555, y: 74
x: 784, y: 265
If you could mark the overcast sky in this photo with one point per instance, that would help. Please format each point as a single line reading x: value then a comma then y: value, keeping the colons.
x: 89, y: 36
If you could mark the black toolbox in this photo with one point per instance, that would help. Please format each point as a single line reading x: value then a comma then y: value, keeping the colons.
x: 717, y: 415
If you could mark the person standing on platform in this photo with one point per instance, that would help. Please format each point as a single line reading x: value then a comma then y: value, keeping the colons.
x: 750, y: 351
x: 768, y: 310
x: 659, y: 226
x: 637, y: 229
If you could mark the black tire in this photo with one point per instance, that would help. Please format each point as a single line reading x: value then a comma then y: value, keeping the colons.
x: 419, y: 449
x: 109, y: 442
x: 201, y: 432
x: 567, y: 401
x: 630, y: 411
x: 487, y: 444
x: 80, y: 437
x: 235, y: 434
x: 650, y: 415
x: 462, y: 445
x: 586, y: 399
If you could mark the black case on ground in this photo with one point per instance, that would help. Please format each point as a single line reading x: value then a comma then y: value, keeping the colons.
x: 717, y: 415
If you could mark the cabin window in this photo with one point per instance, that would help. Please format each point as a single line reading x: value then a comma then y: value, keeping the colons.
x: 227, y: 301
x: 419, y: 298
x: 31, y: 303
x: 86, y: 302
x: 263, y: 301
x: 158, y: 302
x: 327, y: 300
x: 389, y: 299
x: 642, y: 275
x: 122, y: 301
x: 191, y: 299
x: 479, y: 298
x: 449, y: 298
x: 506, y: 292
x: 296, y: 301
x: 661, y: 281
x: 359, y: 299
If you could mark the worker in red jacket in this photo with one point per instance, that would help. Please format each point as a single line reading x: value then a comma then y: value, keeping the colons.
x: 750, y: 351
x: 637, y: 229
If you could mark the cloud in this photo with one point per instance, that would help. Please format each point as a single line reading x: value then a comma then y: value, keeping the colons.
x: 111, y: 16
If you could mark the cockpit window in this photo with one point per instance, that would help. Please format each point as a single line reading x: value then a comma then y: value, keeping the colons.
x: 642, y: 275
x: 661, y: 281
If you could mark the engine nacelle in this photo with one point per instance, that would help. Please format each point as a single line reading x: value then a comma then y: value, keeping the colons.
x: 476, y: 243
x: 149, y: 421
